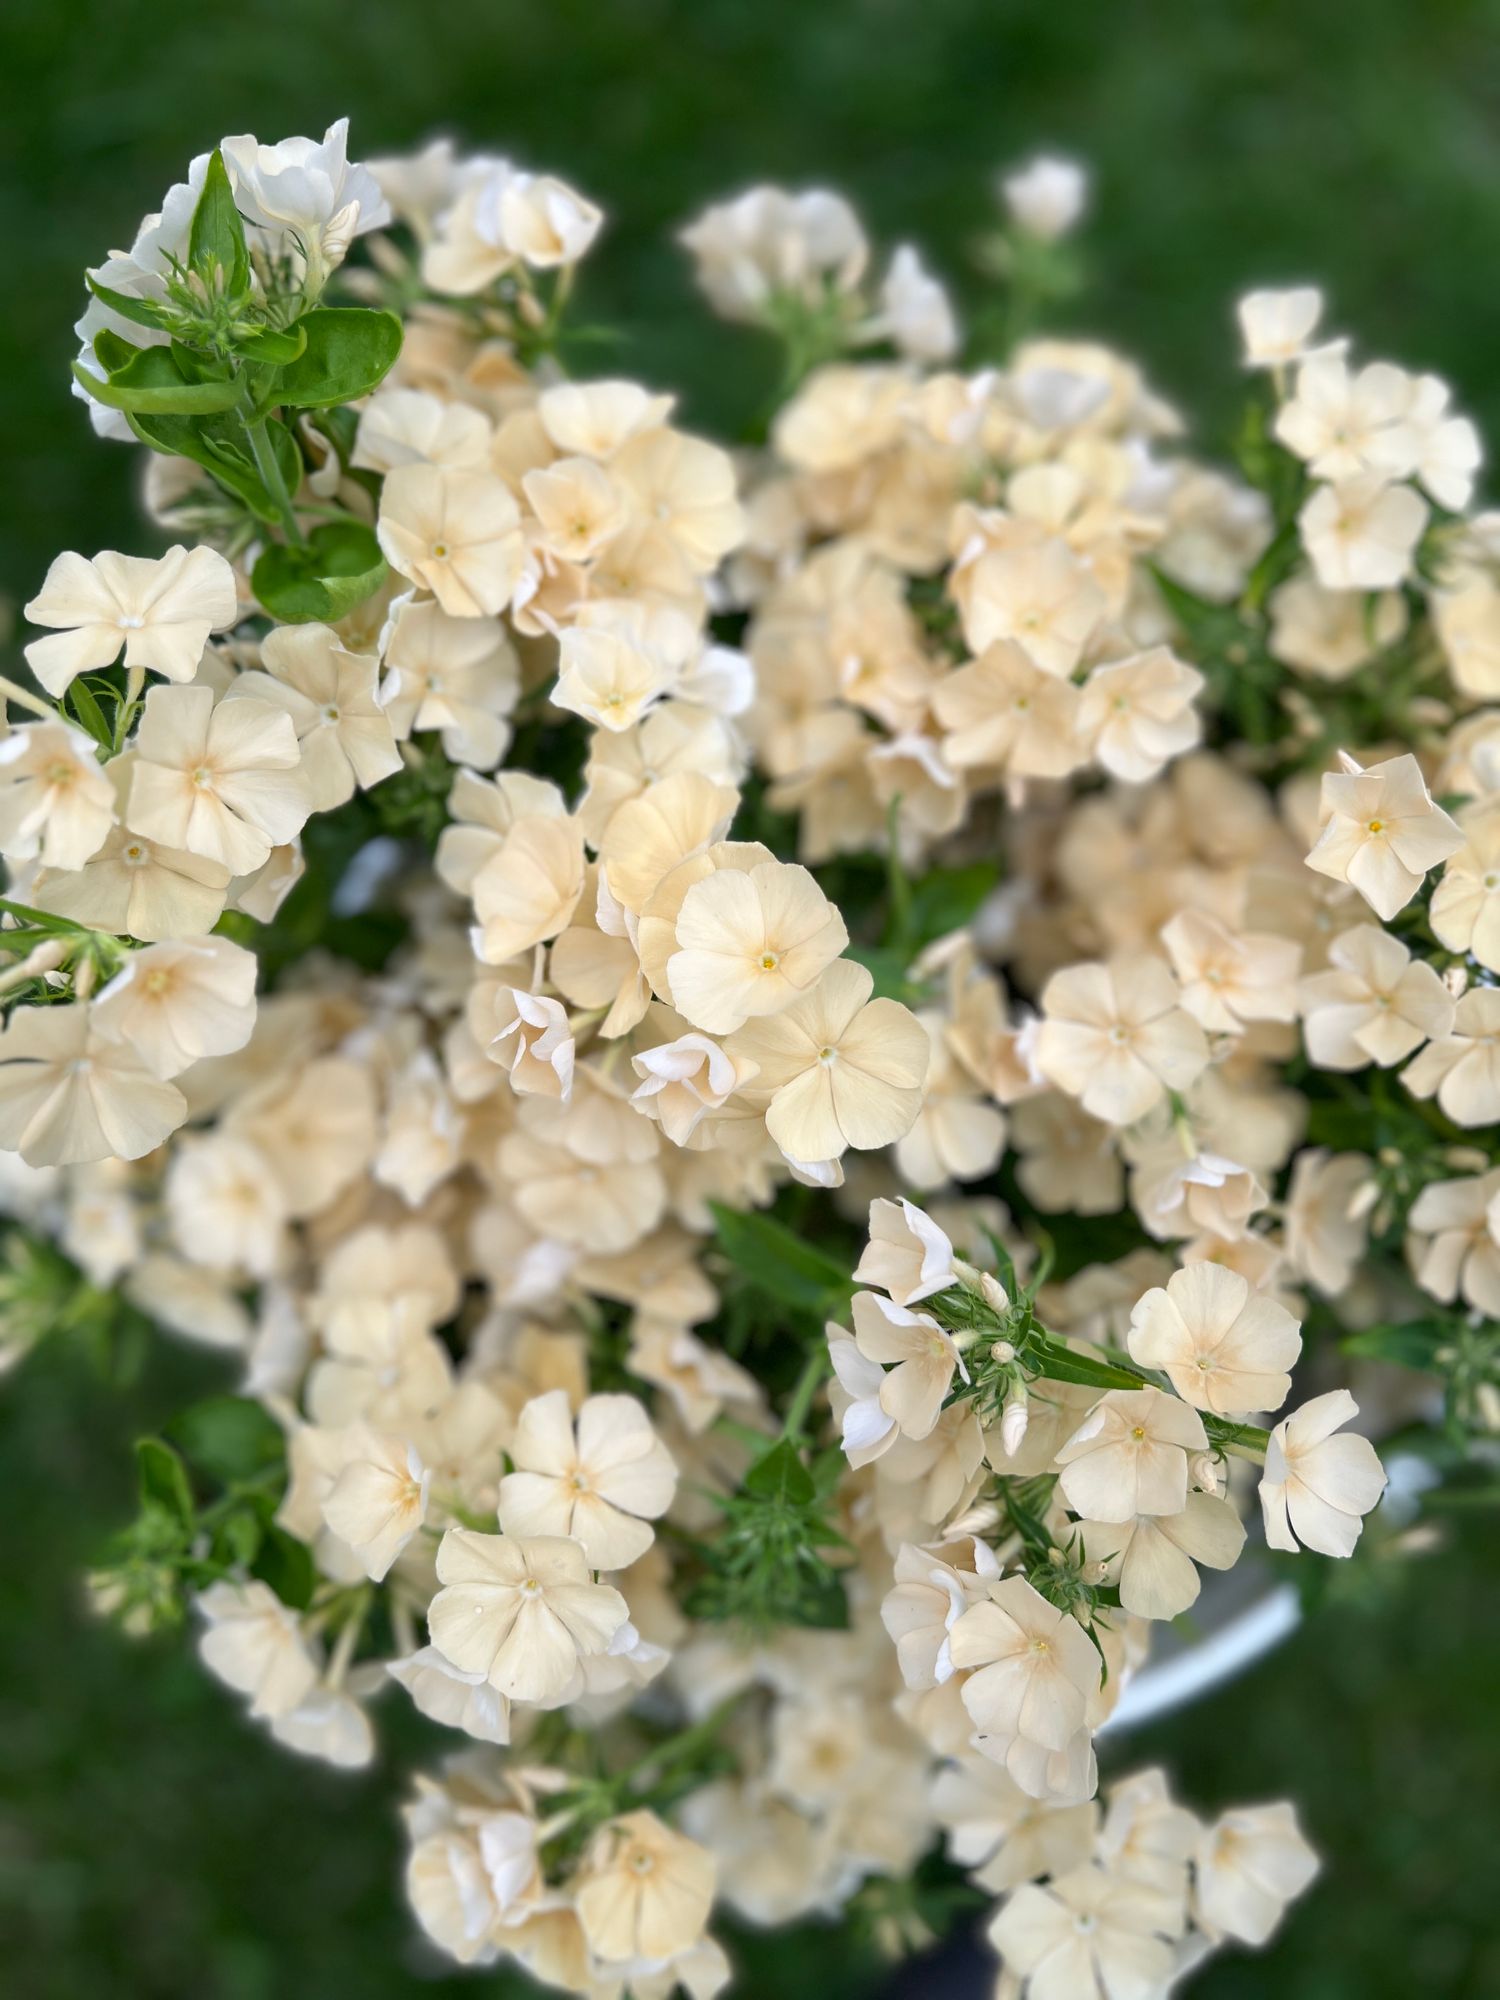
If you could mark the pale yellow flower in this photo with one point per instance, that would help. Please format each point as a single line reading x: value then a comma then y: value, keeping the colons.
x: 133, y: 887
x: 529, y: 888
x: 1249, y: 1865
x: 1002, y: 711
x: 750, y: 944
x: 1229, y: 978
x: 457, y: 675
x: 456, y: 532
x: 1136, y: 715
x: 161, y: 611
x: 1382, y: 832
x: 71, y: 1093
x: 1317, y: 1486
x: 409, y: 427
x: 1129, y: 1456
x: 56, y: 805
x: 1117, y: 1037
x: 643, y: 1892
x: 609, y: 678
x: 1152, y: 1559
x: 603, y: 1486
x: 379, y: 1499
x: 523, y: 1613
x: 344, y: 734
x: 1465, y: 911
x: 1223, y: 1347
x: 220, y: 779
x: 1375, y: 1003
x: 254, y: 1643
x: 173, y: 1003
x: 1463, y: 1069
x: 835, y: 1068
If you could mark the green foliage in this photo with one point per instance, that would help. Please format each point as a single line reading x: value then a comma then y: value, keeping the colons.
x: 767, y: 1563
x: 781, y: 1265
x: 216, y: 242
x: 338, y: 567
x: 227, y: 1438
x: 347, y: 351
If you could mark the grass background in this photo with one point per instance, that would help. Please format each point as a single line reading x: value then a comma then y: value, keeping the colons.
x: 151, y: 1843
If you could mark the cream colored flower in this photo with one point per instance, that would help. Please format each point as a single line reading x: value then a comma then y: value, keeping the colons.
x: 1463, y: 1069
x: 459, y: 676
x: 1382, y: 832
x: 1089, y: 1932
x: 537, y: 217
x: 219, y: 779
x: 529, y: 888
x: 1223, y: 1347
x: 56, y: 805
x: 1331, y: 633
x: 160, y: 611
x: 455, y: 532
x: 344, y: 734
x: 1375, y: 1003
x: 1136, y: 715
x: 1454, y: 1244
x: 1031, y: 1670
x: 133, y: 887
x: 1363, y: 534
x: 1117, y: 1037
x: 1249, y: 1865
x: 577, y: 505
x: 1129, y: 1456
x: 684, y: 1080
x: 685, y: 488
x: 1151, y: 1559
x: 71, y: 1093
x: 1465, y: 911
x: 920, y: 1357
x: 1000, y: 1835
x: 528, y: 1035
x: 643, y: 1892
x: 907, y: 1254
x: 750, y: 944
x: 1324, y: 1217
x: 595, y: 418
x: 1277, y: 326
x: 521, y: 1612
x: 835, y: 1068
x: 224, y: 1207
x: 672, y: 820
x: 458, y: 1700
x: 408, y: 427
x: 254, y: 1643
x: 1046, y: 196
x: 1004, y: 712
x: 603, y: 1485
x: 608, y: 677
x: 1040, y: 597
x: 173, y: 1003
x: 379, y: 1499
x: 1347, y: 425
x: 1229, y: 978
x: 315, y: 1125
x: 1317, y: 1486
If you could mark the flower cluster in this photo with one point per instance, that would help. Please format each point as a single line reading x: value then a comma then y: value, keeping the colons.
x: 506, y: 913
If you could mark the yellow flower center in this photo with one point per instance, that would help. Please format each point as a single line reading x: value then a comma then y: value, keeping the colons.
x: 769, y: 960
x: 1377, y: 826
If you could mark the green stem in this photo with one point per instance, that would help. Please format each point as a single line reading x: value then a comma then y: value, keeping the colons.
x: 814, y: 1369
x: 271, y: 479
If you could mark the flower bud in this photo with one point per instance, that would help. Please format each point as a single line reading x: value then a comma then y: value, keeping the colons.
x: 1013, y: 1421
x: 993, y: 1292
x: 1203, y: 1472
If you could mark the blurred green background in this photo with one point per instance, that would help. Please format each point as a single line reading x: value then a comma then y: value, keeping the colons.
x: 151, y: 1842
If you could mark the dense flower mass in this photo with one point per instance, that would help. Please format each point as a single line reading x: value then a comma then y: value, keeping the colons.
x: 796, y: 1076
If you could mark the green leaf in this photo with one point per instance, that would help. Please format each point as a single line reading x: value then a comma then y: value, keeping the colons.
x: 217, y: 444
x: 946, y: 899
x: 779, y: 1263
x: 151, y: 383
x: 81, y: 700
x: 1412, y: 1344
x: 886, y: 966
x: 287, y: 1566
x: 1062, y: 1364
x: 228, y: 1438
x: 274, y: 345
x: 140, y: 312
x: 217, y: 238
x: 779, y: 1474
x: 163, y: 1479
x: 349, y: 349
x: 340, y: 566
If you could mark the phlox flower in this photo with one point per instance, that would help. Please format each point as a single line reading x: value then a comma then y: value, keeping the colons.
x: 1046, y: 196
x: 521, y: 1612
x: 1382, y: 831
x: 175, y: 1002
x: 160, y: 611
x: 456, y: 531
x: 379, y: 1499
x: 1362, y: 533
x: 56, y: 804
x: 1465, y: 909
x: 1089, y: 1932
x: 457, y: 675
x: 1222, y: 1346
x: 306, y: 190
x: 643, y: 1892
x: 1031, y: 1671
x: 343, y: 733
x: 1136, y: 715
x: 254, y: 1643
x: 1248, y: 1866
x: 907, y: 1255
x: 1117, y: 1037
x: 1129, y: 1456
x: 1318, y: 1486
x: 602, y: 1482
x: 1152, y: 1558
x: 221, y: 779
x: 750, y: 944
x: 1277, y: 325
x: 70, y: 1092
x: 1463, y: 1069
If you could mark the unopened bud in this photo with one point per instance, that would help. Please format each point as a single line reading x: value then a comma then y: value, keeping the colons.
x: 1013, y: 1421
x: 43, y: 958
x: 1204, y: 1472
x: 1457, y: 981
x: 1003, y: 1351
x: 993, y: 1292
x: 1487, y: 1403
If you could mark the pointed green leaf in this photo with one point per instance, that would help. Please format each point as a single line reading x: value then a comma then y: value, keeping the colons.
x: 151, y: 385
x: 163, y: 1478
x: 217, y: 237
x: 274, y: 345
x: 340, y: 567
x: 140, y: 312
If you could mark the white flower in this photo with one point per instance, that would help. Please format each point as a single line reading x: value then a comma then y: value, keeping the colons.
x: 1277, y: 326
x: 1089, y: 1932
x: 459, y: 676
x: 608, y: 678
x: 343, y: 732
x: 70, y: 1093
x: 1375, y: 1002
x: 1117, y: 1037
x: 160, y: 611
x: 916, y: 310
x: 255, y: 1644
x: 751, y: 943
x: 536, y: 217
x: 1129, y: 1456
x: 1249, y: 1865
x: 379, y: 1499
x: 921, y: 1358
x: 603, y: 1485
x: 219, y: 779
x: 1318, y: 1487
x: 1223, y: 1347
x: 456, y: 532
x: 461, y: 1701
x: 56, y: 805
x: 521, y: 1612
x: 907, y: 1254
x: 683, y: 1081
x: 1031, y: 1671
x: 1347, y: 426
x: 308, y: 190
x: 1382, y: 831
x: 1136, y: 715
x: 1152, y: 1557
x: 769, y: 242
x: 1047, y: 196
x: 1362, y: 533
x: 175, y: 1002
x: 529, y: 1036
